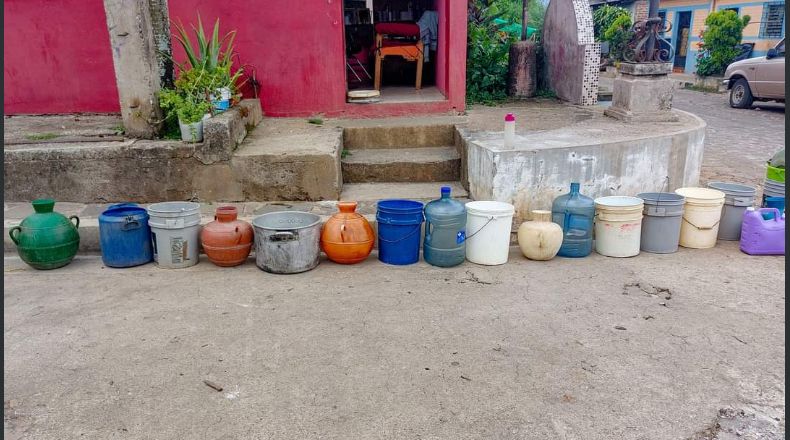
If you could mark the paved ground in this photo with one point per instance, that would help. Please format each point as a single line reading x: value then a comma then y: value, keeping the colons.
x: 688, y: 345
x: 738, y: 143
x: 683, y: 346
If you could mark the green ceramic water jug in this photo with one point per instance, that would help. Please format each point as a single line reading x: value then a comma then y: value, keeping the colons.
x: 46, y: 239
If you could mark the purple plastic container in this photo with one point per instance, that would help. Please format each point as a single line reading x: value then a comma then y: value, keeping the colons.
x: 760, y: 236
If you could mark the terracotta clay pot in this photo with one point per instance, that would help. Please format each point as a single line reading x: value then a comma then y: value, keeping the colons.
x: 347, y: 237
x: 540, y: 239
x: 227, y: 241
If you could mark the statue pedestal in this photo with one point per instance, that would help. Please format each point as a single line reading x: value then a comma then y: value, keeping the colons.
x: 642, y: 92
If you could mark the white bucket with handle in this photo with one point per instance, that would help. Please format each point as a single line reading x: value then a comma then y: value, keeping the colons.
x: 175, y: 232
x: 699, y: 228
x: 488, y: 226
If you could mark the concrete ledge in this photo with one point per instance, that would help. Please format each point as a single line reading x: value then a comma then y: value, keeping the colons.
x: 645, y: 69
x: 226, y: 131
x: 282, y: 160
x: 606, y: 156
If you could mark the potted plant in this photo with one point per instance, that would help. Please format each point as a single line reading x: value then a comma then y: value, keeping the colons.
x: 190, y: 110
x: 212, y: 57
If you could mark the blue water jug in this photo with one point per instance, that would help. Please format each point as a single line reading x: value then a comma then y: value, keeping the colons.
x: 574, y: 213
x: 124, y: 236
x: 445, y: 222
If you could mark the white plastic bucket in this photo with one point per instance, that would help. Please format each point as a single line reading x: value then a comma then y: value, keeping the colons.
x: 175, y: 231
x: 488, y: 226
x: 618, y: 225
x: 701, y: 217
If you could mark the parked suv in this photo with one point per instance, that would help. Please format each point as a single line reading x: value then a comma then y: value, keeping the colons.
x: 757, y: 79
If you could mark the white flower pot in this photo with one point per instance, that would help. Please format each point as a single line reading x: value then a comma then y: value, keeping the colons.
x: 191, y: 132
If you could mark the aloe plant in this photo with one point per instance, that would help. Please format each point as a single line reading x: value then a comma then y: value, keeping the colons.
x: 209, y: 54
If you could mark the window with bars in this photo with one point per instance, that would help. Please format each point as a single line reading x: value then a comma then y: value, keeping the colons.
x: 772, y: 24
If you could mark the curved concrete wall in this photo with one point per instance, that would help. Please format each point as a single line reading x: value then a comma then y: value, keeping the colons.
x: 606, y: 156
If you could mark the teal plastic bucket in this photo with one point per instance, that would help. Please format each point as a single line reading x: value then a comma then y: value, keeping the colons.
x: 399, y: 222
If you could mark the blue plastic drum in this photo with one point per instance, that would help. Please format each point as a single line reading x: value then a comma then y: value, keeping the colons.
x: 124, y: 236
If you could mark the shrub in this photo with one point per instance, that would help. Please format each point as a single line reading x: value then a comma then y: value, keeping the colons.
x: 486, y: 65
x: 603, y: 17
x: 718, y: 48
x: 618, y: 34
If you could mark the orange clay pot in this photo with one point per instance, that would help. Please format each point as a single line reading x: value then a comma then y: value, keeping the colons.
x: 347, y: 237
x: 227, y: 241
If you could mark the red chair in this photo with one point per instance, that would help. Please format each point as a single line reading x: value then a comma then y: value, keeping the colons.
x: 408, y: 45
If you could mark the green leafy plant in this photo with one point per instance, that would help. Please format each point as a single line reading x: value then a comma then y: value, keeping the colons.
x: 210, y: 57
x: 723, y: 32
x: 604, y: 16
x: 487, y: 54
x: 188, y: 108
x: 315, y: 121
x: 618, y: 34
x: 205, y: 53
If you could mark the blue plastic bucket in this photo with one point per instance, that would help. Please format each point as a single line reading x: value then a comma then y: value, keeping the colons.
x: 124, y: 236
x: 773, y: 202
x: 399, y: 224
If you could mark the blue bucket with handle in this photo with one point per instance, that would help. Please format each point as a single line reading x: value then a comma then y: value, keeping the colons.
x: 124, y: 236
x: 399, y: 222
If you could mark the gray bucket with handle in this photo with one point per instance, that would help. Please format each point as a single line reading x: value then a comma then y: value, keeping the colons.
x: 663, y: 214
x: 737, y: 198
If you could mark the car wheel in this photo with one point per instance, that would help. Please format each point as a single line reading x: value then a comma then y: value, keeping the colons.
x: 741, y: 94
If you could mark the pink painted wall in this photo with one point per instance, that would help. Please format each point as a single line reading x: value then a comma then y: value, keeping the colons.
x: 296, y: 47
x: 298, y: 51
x: 57, y: 58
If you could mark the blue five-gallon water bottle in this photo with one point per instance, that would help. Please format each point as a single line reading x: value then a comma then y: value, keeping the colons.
x: 445, y: 234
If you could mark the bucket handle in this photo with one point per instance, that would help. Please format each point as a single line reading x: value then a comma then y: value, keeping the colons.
x: 416, y: 229
x: 284, y: 236
x: 77, y: 224
x: 15, y: 237
x: 490, y: 218
x: 130, y: 224
x: 701, y: 228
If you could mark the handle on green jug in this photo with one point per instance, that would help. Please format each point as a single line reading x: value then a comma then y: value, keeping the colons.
x: 77, y: 224
x: 15, y: 237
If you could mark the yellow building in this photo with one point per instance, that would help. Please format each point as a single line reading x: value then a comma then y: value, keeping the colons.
x: 687, y: 19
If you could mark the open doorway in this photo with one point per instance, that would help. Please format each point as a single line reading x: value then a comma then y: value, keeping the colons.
x: 391, y: 50
x: 684, y: 28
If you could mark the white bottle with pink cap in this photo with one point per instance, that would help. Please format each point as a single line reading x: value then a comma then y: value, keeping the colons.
x: 510, y: 131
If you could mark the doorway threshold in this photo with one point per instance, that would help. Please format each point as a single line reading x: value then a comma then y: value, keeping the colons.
x: 405, y: 95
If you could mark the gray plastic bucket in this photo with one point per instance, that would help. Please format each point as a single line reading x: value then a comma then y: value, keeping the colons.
x: 773, y: 188
x: 663, y: 213
x: 175, y: 230
x: 287, y: 241
x: 737, y: 198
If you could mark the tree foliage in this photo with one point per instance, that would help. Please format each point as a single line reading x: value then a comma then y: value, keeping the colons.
x: 720, y: 39
x: 604, y: 16
x: 488, y: 47
x: 618, y: 34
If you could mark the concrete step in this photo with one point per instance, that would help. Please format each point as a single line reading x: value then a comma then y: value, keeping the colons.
x: 427, y: 164
x: 399, y: 134
x: 420, y: 191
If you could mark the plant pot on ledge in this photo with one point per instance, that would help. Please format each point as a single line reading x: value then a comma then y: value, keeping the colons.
x: 191, y: 132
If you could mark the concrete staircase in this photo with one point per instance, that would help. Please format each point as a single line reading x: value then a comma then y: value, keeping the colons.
x: 411, y: 156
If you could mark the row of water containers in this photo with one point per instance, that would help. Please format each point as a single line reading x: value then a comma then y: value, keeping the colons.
x: 479, y: 231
